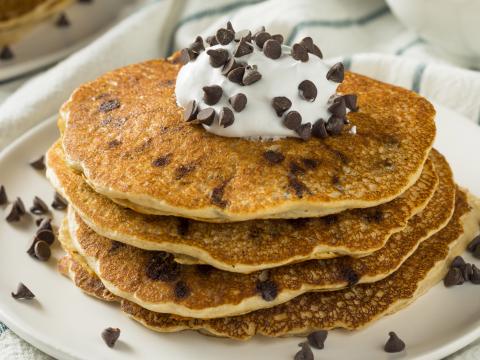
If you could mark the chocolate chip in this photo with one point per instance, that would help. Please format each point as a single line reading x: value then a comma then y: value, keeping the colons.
x: 272, y: 49
x: 273, y: 157
x: 292, y: 120
x: 317, y: 339
x: 281, y: 104
x: 162, y: 160
x: 475, y: 277
x: 351, y: 101
x: 39, y: 221
x: 204, y: 270
x: 62, y: 21
x: 474, y: 244
x: 191, y: 111
x: 42, y: 250
x: 310, y: 163
x: 476, y: 253
x: 212, y: 94
x: 246, y: 34
x: 17, y: 210
x: 278, y: 37
x: 308, y: 44
x: 162, y: 267
x: 224, y: 36
x: 59, y: 203
x: 110, y: 336
x: 299, y: 187
x: 206, y: 116
x: 23, y: 293
x: 394, y: 344
x: 467, y: 271
x: 299, y: 53
x: 336, y: 73
x: 217, y: 196
x: 230, y: 65
x: 458, y: 262
x: 45, y: 235
x: 236, y: 75
x: 211, y: 40
x: 3, y: 195
x: 304, y: 131
x: 338, y: 108
x: 261, y: 38
x: 109, y: 105
x: 115, y: 245
x: 243, y: 48
x: 39, y: 164
x: 197, y: 46
x: 45, y: 224
x: 183, y: 170
x: 453, y: 277
x: 305, y: 353
x: 181, y: 290
x: 268, y: 289
x: 238, y: 102
x: 218, y: 57
x: 334, y: 125
x: 226, y: 117
x: 183, y: 226
x: 187, y: 55
x: 251, y: 76
x: 258, y: 31
x: 230, y: 26
x: 307, y: 90
x: 319, y: 130
x: 350, y: 276
x: 39, y: 207
x: 6, y: 53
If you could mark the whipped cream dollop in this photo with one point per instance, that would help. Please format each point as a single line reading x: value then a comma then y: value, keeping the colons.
x: 284, y: 74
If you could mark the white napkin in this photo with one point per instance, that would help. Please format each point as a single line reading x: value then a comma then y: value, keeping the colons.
x: 364, y: 34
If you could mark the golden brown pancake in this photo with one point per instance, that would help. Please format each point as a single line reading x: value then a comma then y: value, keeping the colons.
x: 243, y: 246
x: 153, y: 279
x: 351, y: 308
x: 125, y: 132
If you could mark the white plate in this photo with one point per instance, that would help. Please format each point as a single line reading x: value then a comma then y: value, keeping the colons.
x: 67, y: 324
x: 47, y: 43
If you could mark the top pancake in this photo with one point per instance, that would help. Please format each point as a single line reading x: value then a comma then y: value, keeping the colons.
x: 126, y: 133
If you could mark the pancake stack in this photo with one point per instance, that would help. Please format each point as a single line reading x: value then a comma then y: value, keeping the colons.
x: 234, y: 237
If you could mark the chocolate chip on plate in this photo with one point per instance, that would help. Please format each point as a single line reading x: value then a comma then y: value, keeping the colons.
x: 59, y: 203
x: 307, y: 90
x: 317, y: 339
x: 251, y: 76
x: 394, y: 344
x: 467, y: 271
x: 336, y: 73
x: 476, y: 253
x: 218, y: 57
x: 110, y: 336
x: 475, y: 277
x: 246, y: 34
x: 273, y: 157
x: 305, y: 353
x: 224, y: 36
x: 226, y: 117
x: 474, y: 244
x: 45, y: 225
x: 267, y: 289
x: 292, y: 120
x: 23, y: 293
x: 63, y: 21
x: 212, y: 94
x: 39, y: 207
x: 319, y: 130
x: 272, y: 49
x: 6, y: 53
x: 238, y: 102
x: 243, y: 48
x: 299, y: 53
x: 236, y: 75
x: 181, y: 290
x: 17, y: 210
x: 206, y: 116
x: 38, y: 164
x: 45, y: 235
x: 42, y: 250
x: 453, y: 277
x: 191, y: 111
x: 304, y: 131
x: 261, y: 38
x: 281, y: 104
x: 3, y: 195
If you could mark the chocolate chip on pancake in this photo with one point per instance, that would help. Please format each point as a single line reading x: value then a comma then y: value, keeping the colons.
x: 274, y: 157
x: 246, y: 34
x: 304, y: 131
x: 243, y: 48
x: 183, y: 226
x: 296, y: 169
x: 261, y: 38
x: 453, y: 277
x: 238, y: 101
x: 299, y: 187
x: 39, y: 207
x: 59, y: 203
x: 394, y: 344
x: 23, y: 293
x: 251, y: 76
x: 39, y: 164
x: 204, y: 269
x: 308, y: 44
x: 226, y: 117
x: 42, y: 250
x: 310, y: 163
x: 6, y: 53
x: 217, y: 196
x: 305, y: 353
x: 319, y: 129
x: 292, y: 120
x: 109, y: 105
x: 230, y: 65
x: 268, y: 290
x: 17, y: 210
x: 181, y: 290
x: 212, y: 94
x: 184, y: 170
x: 115, y: 246
x: 281, y: 104
x: 338, y: 108
x: 211, y: 40
x: 299, y: 53
x: 334, y: 125
x: 218, y: 57
x: 351, y: 101
x: 317, y: 339
x: 336, y: 73
x: 3, y: 195
x: 224, y: 36
x: 206, y: 116
x: 162, y: 160
x: 474, y: 244
x: 307, y: 90
x: 162, y: 267
x: 62, y: 21
x: 350, y: 276
x: 278, y: 37
x: 272, y: 49
x: 236, y: 75
x: 110, y: 336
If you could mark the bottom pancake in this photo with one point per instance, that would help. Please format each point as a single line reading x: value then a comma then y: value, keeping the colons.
x: 351, y: 308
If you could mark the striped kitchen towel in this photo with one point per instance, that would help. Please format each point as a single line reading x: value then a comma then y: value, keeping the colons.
x: 362, y: 33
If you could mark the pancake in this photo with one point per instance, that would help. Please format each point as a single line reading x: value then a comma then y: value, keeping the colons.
x: 125, y: 132
x: 243, y: 246
x: 152, y: 279
x: 351, y: 308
